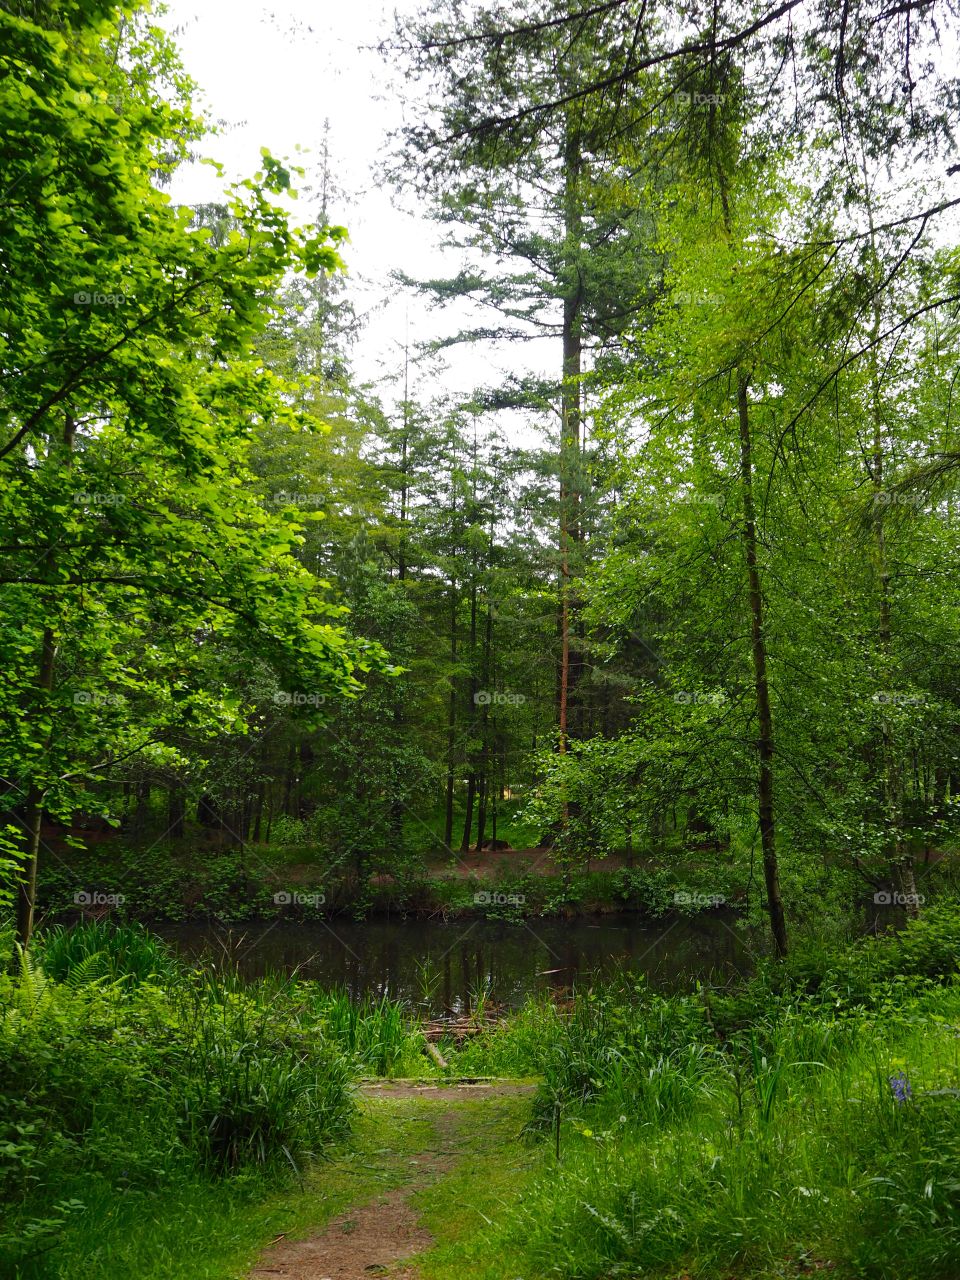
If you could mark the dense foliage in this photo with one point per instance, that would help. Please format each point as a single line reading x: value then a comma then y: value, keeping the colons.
x: 277, y: 644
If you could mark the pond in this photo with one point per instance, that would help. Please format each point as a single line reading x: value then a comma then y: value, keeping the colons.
x: 441, y: 967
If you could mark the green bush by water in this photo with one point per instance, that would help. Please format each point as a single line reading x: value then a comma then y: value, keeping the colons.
x: 123, y: 1073
x: 99, y: 951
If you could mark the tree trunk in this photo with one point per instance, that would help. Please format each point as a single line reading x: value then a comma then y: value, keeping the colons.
x: 246, y: 815
x: 481, y: 809
x: 468, y: 819
x: 176, y: 811
x: 485, y: 727
x: 258, y: 814
x: 451, y: 722
x: 404, y: 447
x: 288, y: 781
x: 765, y: 742
x: 497, y: 793
x: 472, y: 777
x: 33, y: 812
x: 900, y: 856
x: 141, y: 813
x: 27, y: 888
x: 452, y: 697
x: 570, y: 415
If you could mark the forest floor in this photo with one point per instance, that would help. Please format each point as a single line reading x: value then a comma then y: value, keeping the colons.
x: 442, y: 1152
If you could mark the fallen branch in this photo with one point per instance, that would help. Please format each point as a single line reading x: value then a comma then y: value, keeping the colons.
x: 433, y: 1052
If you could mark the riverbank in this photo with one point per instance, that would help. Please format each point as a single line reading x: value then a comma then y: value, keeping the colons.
x: 165, y: 882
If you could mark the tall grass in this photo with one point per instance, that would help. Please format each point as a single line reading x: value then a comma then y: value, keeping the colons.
x: 811, y: 1118
x: 374, y: 1033
x: 255, y: 1084
x: 780, y: 1166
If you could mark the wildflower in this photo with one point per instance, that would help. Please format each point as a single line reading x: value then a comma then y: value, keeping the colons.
x: 901, y: 1087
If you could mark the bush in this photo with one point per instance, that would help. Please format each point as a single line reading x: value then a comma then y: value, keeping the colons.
x: 642, y: 1054
x: 250, y: 1089
x: 137, y: 1083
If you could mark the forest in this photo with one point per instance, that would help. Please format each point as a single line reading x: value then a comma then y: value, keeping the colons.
x: 499, y: 818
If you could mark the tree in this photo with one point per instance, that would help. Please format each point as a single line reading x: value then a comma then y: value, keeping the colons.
x: 131, y: 542
x: 550, y: 243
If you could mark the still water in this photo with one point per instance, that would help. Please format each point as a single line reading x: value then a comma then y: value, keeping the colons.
x: 441, y: 967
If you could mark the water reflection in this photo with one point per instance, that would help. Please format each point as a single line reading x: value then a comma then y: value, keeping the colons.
x: 445, y: 966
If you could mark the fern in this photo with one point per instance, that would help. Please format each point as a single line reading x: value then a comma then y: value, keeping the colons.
x: 91, y: 971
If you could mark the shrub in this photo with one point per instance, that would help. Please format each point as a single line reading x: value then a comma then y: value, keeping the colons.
x: 250, y: 1090
x: 96, y: 951
x: 642, y: 1054
x: 137, y: 1083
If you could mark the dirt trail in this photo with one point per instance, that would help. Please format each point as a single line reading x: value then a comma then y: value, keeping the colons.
x: 376, y: 1236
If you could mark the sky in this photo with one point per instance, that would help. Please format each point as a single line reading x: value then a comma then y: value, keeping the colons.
x: 276, y: 74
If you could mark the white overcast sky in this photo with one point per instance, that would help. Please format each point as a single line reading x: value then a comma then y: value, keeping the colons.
x: 276, y: 73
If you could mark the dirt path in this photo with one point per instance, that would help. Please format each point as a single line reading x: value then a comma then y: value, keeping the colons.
x: 378, y: 1235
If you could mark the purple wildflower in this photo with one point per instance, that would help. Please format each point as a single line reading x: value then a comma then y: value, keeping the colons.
x: 901, y: 1087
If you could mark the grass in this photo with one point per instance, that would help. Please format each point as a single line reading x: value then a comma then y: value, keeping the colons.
x: 198, y: 1230
x: 376, y: 1034
x: 127, y: 954
x: 808, y: 1117
x: 787, y: 1162
x: 757, y: 1135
